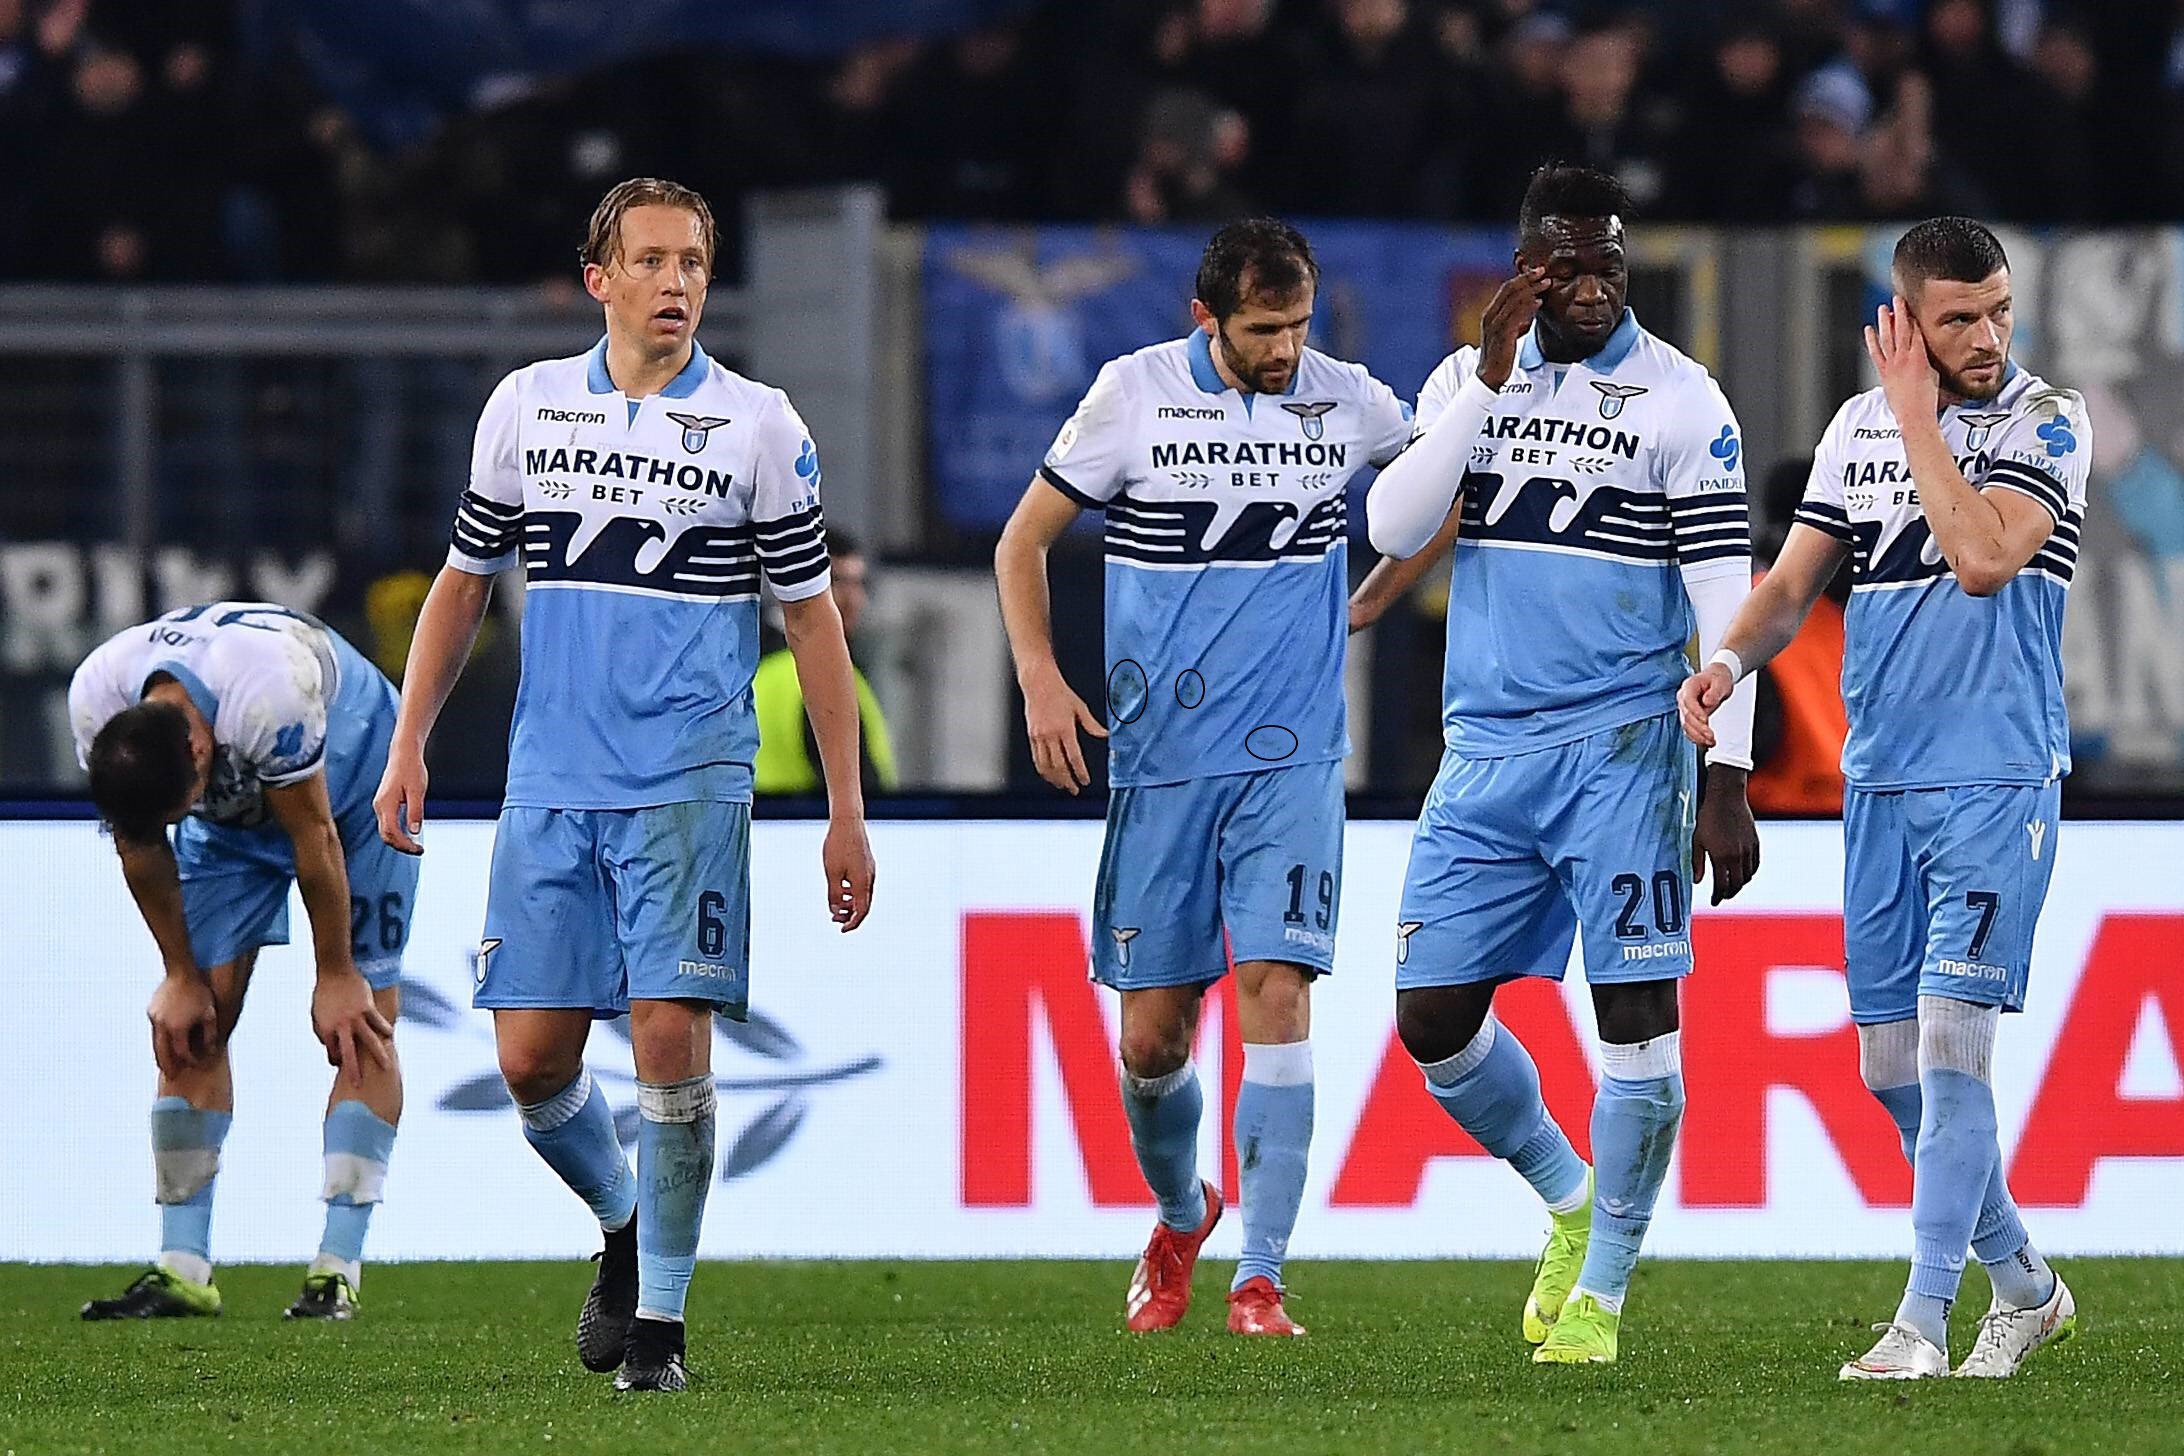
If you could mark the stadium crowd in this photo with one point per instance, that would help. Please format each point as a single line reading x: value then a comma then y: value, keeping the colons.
x: 163, y: 148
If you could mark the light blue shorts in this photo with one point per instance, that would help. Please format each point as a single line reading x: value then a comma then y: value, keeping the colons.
x: 1255, y: 855
x: 1942, y: 890
x: 595, y: 908
x: 235, y: 881
x: 1512, y: 855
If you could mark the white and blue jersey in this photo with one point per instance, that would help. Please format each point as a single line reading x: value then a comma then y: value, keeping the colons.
x: 1943, y: 687
x: 1596, y: 492
x: 644, y: 528
x: 1958, y: 735
x: 286, y: 698
x: 1227, y: 620
x: 1227, y: 554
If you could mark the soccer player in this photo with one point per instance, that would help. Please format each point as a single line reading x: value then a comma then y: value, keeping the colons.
x: 1957, y: 490
x: 1590, y: 477
x: 646, y: 491
x: 260, y: 732
x: 1219, y: 460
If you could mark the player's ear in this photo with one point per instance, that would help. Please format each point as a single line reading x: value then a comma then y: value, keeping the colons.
x: 595, y: 282
x: 1202, y: 316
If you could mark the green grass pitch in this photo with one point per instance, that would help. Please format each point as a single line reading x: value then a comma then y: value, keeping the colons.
x: 1027, y: 1358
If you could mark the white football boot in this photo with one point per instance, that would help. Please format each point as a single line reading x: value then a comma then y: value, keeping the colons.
x: 1901, y: 1353
x: 2008, y: 1336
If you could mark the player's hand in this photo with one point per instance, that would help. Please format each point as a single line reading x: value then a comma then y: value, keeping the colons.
x: 1508, y: 314
x: 1701, y: 693
x: 348, y: 1024
x: 400, y: 802
x: 1052, y: 716
x: 847, y: 854
x: 185, y: 1023
x: 1726, y: 834
x: 1898, y: 351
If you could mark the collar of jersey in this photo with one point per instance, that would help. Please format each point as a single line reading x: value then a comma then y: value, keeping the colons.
x: 1208, y: 378
x: 682, y: 386
x: 201, y: 696
x: 1611, y: 354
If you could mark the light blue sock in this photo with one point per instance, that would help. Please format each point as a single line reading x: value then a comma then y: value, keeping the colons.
x: 1491, y: 1089
x: 185, y: 1162
x: 358, y: 1144
x: 1955, y: 1157
x: 1273, y: 1138
x: 2022, y: 1278
x: 674, y: 1173
x: 1163, y: 1113
x: 573, y: 1130
x: 1635, y: 1116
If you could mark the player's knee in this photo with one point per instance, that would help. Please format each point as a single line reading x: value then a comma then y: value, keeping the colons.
x: 536, y: 1073
x: 1150, y: 1051
x: 1436, y: 1022
x: 1636, y: 1011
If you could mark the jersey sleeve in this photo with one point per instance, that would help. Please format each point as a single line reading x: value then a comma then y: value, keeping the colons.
x: 489, y: 517
x: 1702, y: 474
x: 1387, y: 422
x: 1090, y: 456
x: 2045, y: 451
x: 1440, y: 387
x: 1822, y: 507
x: 273, y: 711
x: 95, y: 695
x: 786, y: 522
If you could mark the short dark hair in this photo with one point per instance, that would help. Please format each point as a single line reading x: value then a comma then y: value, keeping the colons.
x: 141, y: 770
x: 1953, y: 249
x: 1562, y: 189
x: 1264, y: 252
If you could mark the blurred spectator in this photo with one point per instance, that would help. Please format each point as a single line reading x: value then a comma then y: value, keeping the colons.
x: 1832, y: 111
x: 1365, y: 122
x: 1739, y: 104
x: 1605, y: 123
x: 1799, y: 724
x: 963, y: 111
x: 1189, y: 152
x: 788, y: 756
x: 1524, y: 95
x: 1901, y: 173
x: 2081, y: 176
x: 1986, y: 111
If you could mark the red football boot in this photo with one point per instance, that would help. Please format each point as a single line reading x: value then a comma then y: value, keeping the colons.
x: 1255, y: 1308
x: 1160, y: 1286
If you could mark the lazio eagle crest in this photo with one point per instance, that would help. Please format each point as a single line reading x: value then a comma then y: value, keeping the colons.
x: 696, y: 427
x: 1310, y: 416
x: 1613, y: 395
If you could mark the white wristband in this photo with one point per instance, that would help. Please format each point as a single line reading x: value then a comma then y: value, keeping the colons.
x: 1728, y: 659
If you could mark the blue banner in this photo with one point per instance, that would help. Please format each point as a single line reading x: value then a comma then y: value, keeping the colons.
x: 1018, y: 320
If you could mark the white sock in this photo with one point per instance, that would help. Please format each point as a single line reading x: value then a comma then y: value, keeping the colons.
x: 196, y: 1268
x: 349, y: 1269
x: 1612, y: 1303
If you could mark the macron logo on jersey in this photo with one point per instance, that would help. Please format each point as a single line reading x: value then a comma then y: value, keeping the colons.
x: 571, y: 417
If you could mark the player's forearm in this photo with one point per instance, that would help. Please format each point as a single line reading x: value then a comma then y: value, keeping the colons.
x: 1718, y: 591
x: 1967, y: 527
x: 156, y: 885
x: 1392, y: 577
x: 1766, y: 623
x: 1020, y: 575
x: 829, y: 683
x: 1411, y: 500
x: 322, y: 877
x: 447, y: 628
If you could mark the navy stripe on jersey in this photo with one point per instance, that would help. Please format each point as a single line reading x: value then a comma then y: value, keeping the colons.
x: 1832, y: 519
x: 1054, y: 478
x: 485, y: 528
x: 1173, y: 533
x: 706, y: 561
x: 1710, y: 527
x: 793, y: 549
x: 1906, y: 557
x: 1607, y: 520
x: 2030, y: 480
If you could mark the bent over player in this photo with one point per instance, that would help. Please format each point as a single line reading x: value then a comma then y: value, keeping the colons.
x: 646, y: 491
x: 1219, y: 461
x: 1957, y: 491
x: 1591, y: 479
x: 260, y: 732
